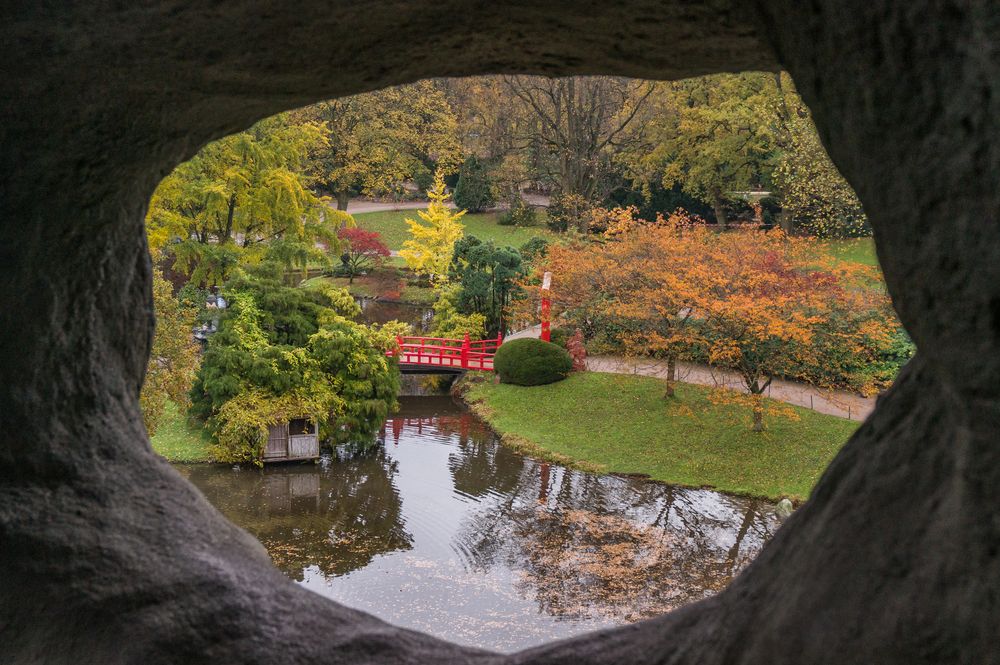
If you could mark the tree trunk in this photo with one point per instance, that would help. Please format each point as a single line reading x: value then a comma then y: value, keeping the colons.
x: 785, y: 222
x: 758, y: 413
x: 671, y: 376
x: 342, y: 198
x: 720, y: 211
x: 229, y: 219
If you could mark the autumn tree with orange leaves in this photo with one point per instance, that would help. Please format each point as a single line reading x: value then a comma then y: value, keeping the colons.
x: 760, y: 303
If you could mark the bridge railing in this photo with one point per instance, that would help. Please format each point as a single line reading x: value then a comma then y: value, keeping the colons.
x: 446, y: 352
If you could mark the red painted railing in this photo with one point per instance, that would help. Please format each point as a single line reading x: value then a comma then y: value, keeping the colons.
x: 432, y: 352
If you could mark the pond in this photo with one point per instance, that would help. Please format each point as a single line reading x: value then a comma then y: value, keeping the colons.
x: 382, y: 311
x: 442, y: 529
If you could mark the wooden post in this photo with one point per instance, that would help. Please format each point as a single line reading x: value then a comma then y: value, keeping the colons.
x: 546, y: 307
x: 465, y: 352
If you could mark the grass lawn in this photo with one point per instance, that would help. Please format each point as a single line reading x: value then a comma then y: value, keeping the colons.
x: 855, y: 250
x: 622, y: 424
x: 177, y: 441
x: 392, y: 225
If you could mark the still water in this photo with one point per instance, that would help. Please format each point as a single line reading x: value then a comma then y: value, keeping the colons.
x: 442, y: 529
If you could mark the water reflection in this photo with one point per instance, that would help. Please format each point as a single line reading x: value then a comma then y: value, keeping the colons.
x: 382, y: 311
x: 334, y: 517
x: 443, y: 530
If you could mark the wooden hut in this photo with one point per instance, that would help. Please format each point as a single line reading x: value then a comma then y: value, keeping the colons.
x: 296, y: 439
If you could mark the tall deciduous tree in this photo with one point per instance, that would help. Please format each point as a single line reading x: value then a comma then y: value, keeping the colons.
x: 759, y: 303
x: 174, y: 358
x: 578, y: 124
x: 714, y: 135
x: 375, y: 141
x: 240, y: 195
x: 815, y: 198
x: 428, y: 252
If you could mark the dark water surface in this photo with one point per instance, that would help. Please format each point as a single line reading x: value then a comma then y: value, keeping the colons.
x: 443, y: 530
x: 380, y: 311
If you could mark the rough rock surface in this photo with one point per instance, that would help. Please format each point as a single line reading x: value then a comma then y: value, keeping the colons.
x: 107, y: 555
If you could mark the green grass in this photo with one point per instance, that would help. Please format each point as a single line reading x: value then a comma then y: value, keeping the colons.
x: 854, y: 250
x: 177, y: 441
x: 392, y: 225
x: 623, y: 424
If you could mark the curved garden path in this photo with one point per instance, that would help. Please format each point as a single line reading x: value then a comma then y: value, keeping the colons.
x: 841, y: 403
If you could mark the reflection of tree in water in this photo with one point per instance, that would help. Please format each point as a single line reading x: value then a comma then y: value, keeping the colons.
x: 337, y: 517
x: 588, y: 546
x: 480, y: 466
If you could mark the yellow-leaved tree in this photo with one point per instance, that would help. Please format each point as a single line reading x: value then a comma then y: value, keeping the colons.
x: 428, y: 252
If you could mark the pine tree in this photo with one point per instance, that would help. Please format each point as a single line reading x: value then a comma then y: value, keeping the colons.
x: 429, y: 250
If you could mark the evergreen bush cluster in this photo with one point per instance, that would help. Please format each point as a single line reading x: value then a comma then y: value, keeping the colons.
x: 474, y: 191
x: 531, y: 362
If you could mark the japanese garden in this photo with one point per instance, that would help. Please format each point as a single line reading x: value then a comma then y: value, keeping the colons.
x: 602, y: 335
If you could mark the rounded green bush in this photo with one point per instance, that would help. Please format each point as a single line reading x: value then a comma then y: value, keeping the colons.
x: 531, y: 362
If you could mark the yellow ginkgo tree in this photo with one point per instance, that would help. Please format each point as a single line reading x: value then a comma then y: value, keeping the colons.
x: 428, y: 251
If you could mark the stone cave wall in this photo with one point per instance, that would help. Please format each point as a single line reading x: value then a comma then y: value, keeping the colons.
x: 107, y: 555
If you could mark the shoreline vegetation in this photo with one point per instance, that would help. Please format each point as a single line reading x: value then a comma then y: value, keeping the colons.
x: 622, y: 424
x: 178, y: 440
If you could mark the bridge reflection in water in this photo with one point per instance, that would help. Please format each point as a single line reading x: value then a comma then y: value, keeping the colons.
x: 442, y: 529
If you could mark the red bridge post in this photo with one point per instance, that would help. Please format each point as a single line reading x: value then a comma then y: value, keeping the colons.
x: 465, y: 352
x: 546, y: 307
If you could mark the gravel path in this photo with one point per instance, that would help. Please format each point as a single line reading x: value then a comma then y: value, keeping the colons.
x: 839, y: 403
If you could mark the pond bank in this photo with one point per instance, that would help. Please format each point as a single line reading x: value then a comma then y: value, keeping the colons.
x: 177, y: 440
x: 622, y: 424
x: 441, y: 529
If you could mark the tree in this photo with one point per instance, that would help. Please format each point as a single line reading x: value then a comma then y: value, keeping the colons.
x: 488, y: 277
x: 173, y: 360
x: 241, y: 196
x: 714, y: 135
x: 767, y: 311
x: 364, y: 250
x: 449, y: 322
x: 639, y: 291
x: 474, y: 191
x: 429, y: 250
x: 375, y: 141
x: 284, y: 352
x: 578, y: 125
x: 815, y: 198
x: 760, y: 303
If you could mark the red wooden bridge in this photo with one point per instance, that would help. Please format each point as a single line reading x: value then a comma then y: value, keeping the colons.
x: 439, y: 355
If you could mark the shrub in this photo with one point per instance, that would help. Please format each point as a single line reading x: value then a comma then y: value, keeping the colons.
x: 559, y: 336
x: 531, y: 362
x: 423, y: 177
x: 534, y: 248
x: 567, y: 211
x: 474, y: 191
x: 519, y: 215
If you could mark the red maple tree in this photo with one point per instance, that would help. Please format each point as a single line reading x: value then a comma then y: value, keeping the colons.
x: 365, y: 250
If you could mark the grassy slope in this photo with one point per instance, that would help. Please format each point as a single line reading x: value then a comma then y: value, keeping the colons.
x: 177, y: 441
x: 855, y: 250
x: 622, y: 423
x: 392, y: 225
